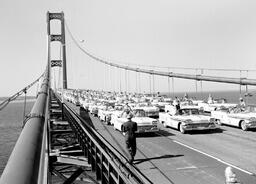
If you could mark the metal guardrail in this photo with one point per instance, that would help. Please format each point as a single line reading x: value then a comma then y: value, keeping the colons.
x: 27, y: 162
x: 109, y: 164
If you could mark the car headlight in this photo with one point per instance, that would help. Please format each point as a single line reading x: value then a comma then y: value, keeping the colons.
x: 252, y: 119
x: 187, y: 121
x: 212, y: 120
x: 154, y: 122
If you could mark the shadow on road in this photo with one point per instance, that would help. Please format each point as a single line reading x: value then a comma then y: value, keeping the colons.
x: 139, y: 161
x: 216, y: 131
x: 84, y: 114
x: 155, y: 134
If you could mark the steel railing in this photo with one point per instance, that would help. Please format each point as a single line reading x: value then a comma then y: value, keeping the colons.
x: 109, y: 165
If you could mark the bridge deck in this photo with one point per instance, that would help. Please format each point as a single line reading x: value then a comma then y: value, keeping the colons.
x: 164, y: 160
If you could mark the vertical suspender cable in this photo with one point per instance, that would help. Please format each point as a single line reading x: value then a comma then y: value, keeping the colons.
x: 201, y: 83
x: 240, y: 87
x: 120, y: 81
x: 196, y: 81
x: 136, y: 78
x: 169, y: 88
x: 104, y: 77
x: 126, y: 80
x: 25, y: 102
x: 153, y: 83
x: 37, y: 87
x: 150, y: 84
x: 173, y: 87
x: 247, y: 94
x: 109, y: 72
x: 139, y: 83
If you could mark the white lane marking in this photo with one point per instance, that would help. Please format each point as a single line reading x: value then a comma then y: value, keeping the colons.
x: 189, y: 167
x: 238, y: 168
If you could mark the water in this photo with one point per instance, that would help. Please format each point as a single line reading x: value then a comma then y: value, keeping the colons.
x: 230, y: 96
x: 11, y: 118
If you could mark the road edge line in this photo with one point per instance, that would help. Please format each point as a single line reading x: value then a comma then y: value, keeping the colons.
x: 236, y: 167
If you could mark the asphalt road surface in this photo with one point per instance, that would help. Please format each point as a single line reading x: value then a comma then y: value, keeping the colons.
x: 197, y: 157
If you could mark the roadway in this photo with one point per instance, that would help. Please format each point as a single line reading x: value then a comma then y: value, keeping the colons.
x: 198, y: 158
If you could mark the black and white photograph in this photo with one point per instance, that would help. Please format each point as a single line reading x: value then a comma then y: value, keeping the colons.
x: 128, y: 92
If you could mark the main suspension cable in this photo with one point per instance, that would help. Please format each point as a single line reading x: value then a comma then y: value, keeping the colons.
x: 161, y: 73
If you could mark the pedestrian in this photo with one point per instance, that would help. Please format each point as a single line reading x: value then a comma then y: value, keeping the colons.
x: 242, y: 104
x: 127, y: 110
x: 129, y: 128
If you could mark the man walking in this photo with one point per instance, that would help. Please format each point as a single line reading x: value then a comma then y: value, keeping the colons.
x: 129, y: 128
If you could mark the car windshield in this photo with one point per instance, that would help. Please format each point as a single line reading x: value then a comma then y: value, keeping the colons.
x: 250, y: 109
x: 139, y: 113
x: 187, y: 112
x: 119, y: 108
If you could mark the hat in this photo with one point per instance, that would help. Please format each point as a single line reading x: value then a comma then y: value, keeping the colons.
x: 129, y: 116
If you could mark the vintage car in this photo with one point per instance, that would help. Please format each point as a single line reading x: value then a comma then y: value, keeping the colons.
x: 116, y: 113
x: 144, y: 124
x: 150, y: 111
x: 187, y: 119
x: 215, y: 104
x: 237, y: 117
x: 93, y: 108
x: 105, y: 114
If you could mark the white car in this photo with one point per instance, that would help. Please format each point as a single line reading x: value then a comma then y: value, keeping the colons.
x: 144, y: 124
x: 150, y: 111
x: 118, y: 109
x: 105, y: 114
x: 209, y: 107
x: 93, y: 109
x: 187, y: 119
x: 235, y: 117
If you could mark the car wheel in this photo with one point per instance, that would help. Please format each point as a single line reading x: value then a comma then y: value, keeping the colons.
x: 181, y: 129
x: 218, y: 122
x: 243, y: 126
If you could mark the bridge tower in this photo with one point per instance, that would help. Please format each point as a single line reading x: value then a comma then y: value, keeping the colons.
x: 61, y: 39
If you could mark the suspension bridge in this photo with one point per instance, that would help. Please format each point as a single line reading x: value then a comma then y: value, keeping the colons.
x: 63, y: 143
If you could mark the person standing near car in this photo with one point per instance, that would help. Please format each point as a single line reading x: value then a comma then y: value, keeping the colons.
x: 129, y: 128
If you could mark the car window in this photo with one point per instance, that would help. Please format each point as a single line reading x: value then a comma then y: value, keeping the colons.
x: 139, y: 113
x: 194, y: 111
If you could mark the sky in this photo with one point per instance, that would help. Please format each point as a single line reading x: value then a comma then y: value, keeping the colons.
x: 170, y: 33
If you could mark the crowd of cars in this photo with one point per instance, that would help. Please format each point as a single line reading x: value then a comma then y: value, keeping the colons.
x: 183, y: 114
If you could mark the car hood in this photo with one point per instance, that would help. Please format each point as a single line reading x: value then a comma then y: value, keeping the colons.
x: 193, y: 118
x: 150, y: 109
x: 247, y: 116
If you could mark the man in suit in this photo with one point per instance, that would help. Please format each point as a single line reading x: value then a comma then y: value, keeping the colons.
x: 129, y: 128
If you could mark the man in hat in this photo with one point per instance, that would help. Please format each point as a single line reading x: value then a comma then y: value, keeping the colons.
x: 242, y: 104
x: 129, y: 128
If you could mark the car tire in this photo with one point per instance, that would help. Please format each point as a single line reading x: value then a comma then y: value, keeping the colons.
x: 181, y: 129
x: 243, y: 126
